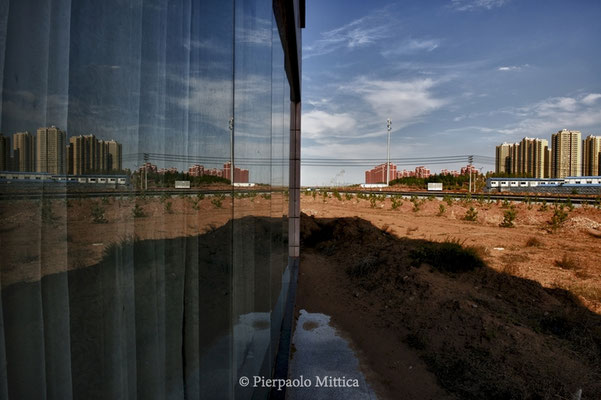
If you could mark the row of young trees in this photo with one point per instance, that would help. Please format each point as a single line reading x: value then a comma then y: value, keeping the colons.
x: 448, y: 181
x: 168, y: 179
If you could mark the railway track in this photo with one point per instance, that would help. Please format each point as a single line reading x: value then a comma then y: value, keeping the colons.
x: 58, y: 194
x: 576, y: 199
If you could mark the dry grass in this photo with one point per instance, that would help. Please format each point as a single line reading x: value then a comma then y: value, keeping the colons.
x: 514, y: 258
x: 568, y: 262
x: 411, y: 229
x: 534, y: 242
x: 588, y: 292
x: 511, y: 269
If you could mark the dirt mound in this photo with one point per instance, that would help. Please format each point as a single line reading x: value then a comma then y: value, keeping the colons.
x: 484, y: 334
x: 582, y: 223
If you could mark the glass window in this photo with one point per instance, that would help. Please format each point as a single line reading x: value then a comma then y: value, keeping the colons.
x: 114, y: 283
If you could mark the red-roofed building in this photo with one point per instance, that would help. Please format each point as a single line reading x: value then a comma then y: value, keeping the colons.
x: 196, y: 170
x: 240, y: 175
x: 466, y: 170
x: 378, y: 174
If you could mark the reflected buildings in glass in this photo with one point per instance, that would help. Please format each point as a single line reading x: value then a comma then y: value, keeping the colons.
x: 135, y: 264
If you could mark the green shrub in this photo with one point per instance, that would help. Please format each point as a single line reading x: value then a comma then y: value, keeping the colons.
x: 348, y: 196
x: 164, y: 197
x: 471, y: 215
x: 417, y: 203
x: 137, y: 211
x: 200, y: 196
x: 48, y: 215
x: 505, y: 203
x: 569, y: 205
x: 449, y: 256
x: 441, y: 209
x: 363, y: 267
x: 396, y: 202
x: 558, y: 218
x: 508, y: 218
x: 543, y: 206
x: 169, y: 207
x: 372, y: 200
x: 448, y: 199
x: 98, y: 215
x: 217, y: 200
x: 337, y: 195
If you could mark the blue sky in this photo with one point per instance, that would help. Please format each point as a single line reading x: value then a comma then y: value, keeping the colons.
x: 455, y: 76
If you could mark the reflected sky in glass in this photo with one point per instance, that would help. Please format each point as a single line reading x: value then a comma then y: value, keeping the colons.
x: 157, y: 78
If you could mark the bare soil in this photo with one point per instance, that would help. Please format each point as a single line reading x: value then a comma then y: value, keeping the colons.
x: 39, y: 238
x: 525, y: 325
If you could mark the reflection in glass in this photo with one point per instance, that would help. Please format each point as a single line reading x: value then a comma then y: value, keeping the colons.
x: 143, y: 197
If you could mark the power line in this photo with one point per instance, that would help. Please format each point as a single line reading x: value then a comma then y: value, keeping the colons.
x: 309, y: 161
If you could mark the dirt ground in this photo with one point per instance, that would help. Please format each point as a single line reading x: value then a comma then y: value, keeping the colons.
x: 527, y: 324
x: 44, y: 237
x: 568, y: 257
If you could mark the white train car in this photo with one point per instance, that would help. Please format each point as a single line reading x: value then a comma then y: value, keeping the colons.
x: 42, y: 177
x: 577, y: 184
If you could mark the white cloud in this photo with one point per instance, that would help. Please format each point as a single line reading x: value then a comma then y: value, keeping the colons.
x: 403, y: 102
x: 358, y: 33
x: 550, y: 115
x: 591, y: 98
x: 319, y: 123
x: 513, y: 67
x: 412, y: 46
x: 470, y: 5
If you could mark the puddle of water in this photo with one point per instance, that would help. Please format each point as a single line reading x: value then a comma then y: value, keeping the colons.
x: 326, y: 359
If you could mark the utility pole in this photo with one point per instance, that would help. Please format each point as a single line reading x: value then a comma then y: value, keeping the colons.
x: 231, y: 126
x: 471, y: 160
x: 388, y: 127
x: 146, y: 158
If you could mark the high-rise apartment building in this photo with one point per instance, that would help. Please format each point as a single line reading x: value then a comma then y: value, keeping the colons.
x: 529, y: 157
x: 24, y: 152
x: 5, y: 162
x: 548, y: 158
x: 566, y: 157
x: 88, y: 155
x: 532, y: 157
x: 503, y: 158
x: 50, y: 150
x: 515, y: 158
x: 114, y: 156
x: 591, y: 156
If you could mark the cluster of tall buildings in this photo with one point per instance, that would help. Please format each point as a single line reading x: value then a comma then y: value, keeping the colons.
x: 378, y: 173
x: 240, y: 175
x: 568, y: 155
x: 48, y: 151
